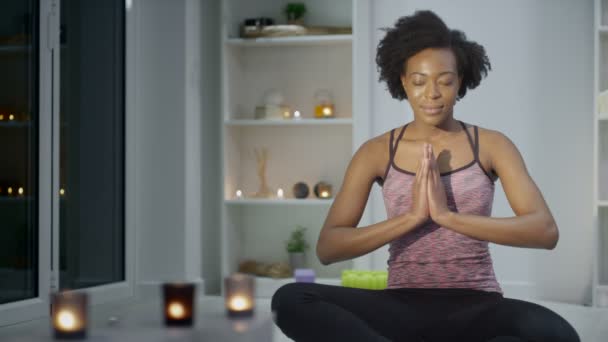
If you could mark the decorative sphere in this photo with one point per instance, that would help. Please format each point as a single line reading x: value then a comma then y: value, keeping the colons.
x: 300, y: 190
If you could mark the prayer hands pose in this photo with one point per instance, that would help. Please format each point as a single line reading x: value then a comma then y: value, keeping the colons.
x: 429, y: 197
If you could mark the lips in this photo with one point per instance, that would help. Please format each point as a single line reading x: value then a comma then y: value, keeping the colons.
x: 432, y: 110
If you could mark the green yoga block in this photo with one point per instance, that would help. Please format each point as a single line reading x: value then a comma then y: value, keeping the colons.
x: 362, y: 279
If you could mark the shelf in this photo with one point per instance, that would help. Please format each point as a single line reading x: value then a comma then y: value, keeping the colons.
x: 14, y: 48
x: 266, y: 287
x: 15, y: 124
x: 6, y: 199
x: 294, y: 40
x: 286, y: 201
x: 288, y: 122
x: 603, y: 116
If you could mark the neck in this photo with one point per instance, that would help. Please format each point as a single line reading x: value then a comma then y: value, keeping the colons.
x: 431, y: 132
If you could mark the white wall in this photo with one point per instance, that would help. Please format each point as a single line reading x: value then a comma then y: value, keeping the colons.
x: 539, y: 94
x: 168, y: 139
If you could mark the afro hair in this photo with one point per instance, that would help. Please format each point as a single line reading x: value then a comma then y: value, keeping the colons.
x: 423, y: 30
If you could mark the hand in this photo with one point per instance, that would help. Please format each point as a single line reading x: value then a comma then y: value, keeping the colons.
x: 420, y: 202
x: 438, y: 207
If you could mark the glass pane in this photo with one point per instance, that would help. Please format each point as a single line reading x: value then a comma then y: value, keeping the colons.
x: 91, y: 240
x: 18, y: 150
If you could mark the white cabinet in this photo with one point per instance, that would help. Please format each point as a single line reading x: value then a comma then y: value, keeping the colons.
x: 306, y: 150
x: 601, y: 152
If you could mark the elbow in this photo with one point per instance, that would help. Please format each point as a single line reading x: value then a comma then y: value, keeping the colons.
x: 321, y: 255
x: 550, y: 236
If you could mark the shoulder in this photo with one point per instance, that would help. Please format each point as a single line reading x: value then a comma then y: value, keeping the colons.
x: 376, y: 146
x: 495, y: 141
x: 496, y: 146
x: 374, y: 153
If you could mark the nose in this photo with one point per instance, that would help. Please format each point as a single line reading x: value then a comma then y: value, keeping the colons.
x: 432, y: 91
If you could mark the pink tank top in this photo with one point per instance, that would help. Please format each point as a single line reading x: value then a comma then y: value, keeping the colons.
x: 432, y: 256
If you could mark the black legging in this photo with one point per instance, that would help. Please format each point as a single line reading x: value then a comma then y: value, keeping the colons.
x: 308, y: 312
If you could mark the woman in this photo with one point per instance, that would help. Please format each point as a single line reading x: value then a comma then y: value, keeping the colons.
x: 437, y: 175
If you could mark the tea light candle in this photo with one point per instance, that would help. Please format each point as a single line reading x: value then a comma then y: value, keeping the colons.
x: 178, y: 300
x: 239, y: 292
x: 20, y: 191
x: 324, y: 111
x: 323, y: 190
x: 61, y: 192
x: 11, y: 117
x: 280, y: 193
x: 9, y: 190
x: 297, y: 115
x: 239, y: 194
x: 69, y: 315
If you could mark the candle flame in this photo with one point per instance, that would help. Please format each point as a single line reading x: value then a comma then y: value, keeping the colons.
x: 11, y: 117
x: 20, y: 191
x: 296, y: 114
x: 176, y: 310
x: 324, y: 194
x: 239, y: 194
x: 61, y: 192
x: 326, y: 110
x: 280, y: 193
x: 239, y: 303
x: 66, y: 320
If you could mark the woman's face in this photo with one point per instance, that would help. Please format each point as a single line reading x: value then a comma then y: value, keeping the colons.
x: 431, y: 82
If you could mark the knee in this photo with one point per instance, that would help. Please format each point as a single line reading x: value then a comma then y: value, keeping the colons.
x: 556, y: 329
x: 285, y: 300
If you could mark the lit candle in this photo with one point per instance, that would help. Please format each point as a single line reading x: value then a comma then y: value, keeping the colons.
x: 9, y: 190
x: 327, y: 111
x: 239, y: 194
x: 61, y: 192
x: 178, y: 305
x: 280, y: 193
x: 296, y: 114
x: 239, y: 292
x: 20, y: 191
x: 1, y: 117
x: 11, y: 117
x: 69, y: 315
x: 323, y: 190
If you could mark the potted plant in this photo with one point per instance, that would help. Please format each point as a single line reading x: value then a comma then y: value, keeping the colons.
x: 295, y: 13
x: 296, y: 247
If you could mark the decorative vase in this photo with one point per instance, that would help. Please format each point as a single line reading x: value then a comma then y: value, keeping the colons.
x: 297, y: 260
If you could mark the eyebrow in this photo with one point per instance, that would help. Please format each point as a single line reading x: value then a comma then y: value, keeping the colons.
x: 440, y: 74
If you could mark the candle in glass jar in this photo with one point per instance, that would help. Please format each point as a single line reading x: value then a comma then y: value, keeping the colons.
x: 323, y: 190
x: 239, y: 292
x: 178, y: 304
x: 69, y: 315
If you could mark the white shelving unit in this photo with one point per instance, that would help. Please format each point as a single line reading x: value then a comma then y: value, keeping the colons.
x: 300, y: 150
x: 600, y: 293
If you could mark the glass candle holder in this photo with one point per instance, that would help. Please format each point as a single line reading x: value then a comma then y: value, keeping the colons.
x: 239, y: 295
x: 178, y: 304
x: 69, y: 314
x: 323, y: 190
x: 324, y: 104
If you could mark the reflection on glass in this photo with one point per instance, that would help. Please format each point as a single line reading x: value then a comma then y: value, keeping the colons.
x: 91, y: 246
x: 18, y: 150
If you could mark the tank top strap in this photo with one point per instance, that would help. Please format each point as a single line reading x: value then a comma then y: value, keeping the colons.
x: 474, y: 144
x: 395, y: 143
x: 392, y: 149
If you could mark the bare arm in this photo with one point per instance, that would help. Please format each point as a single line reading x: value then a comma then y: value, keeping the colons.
x: 533, y: 226
x: 339, y: 240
